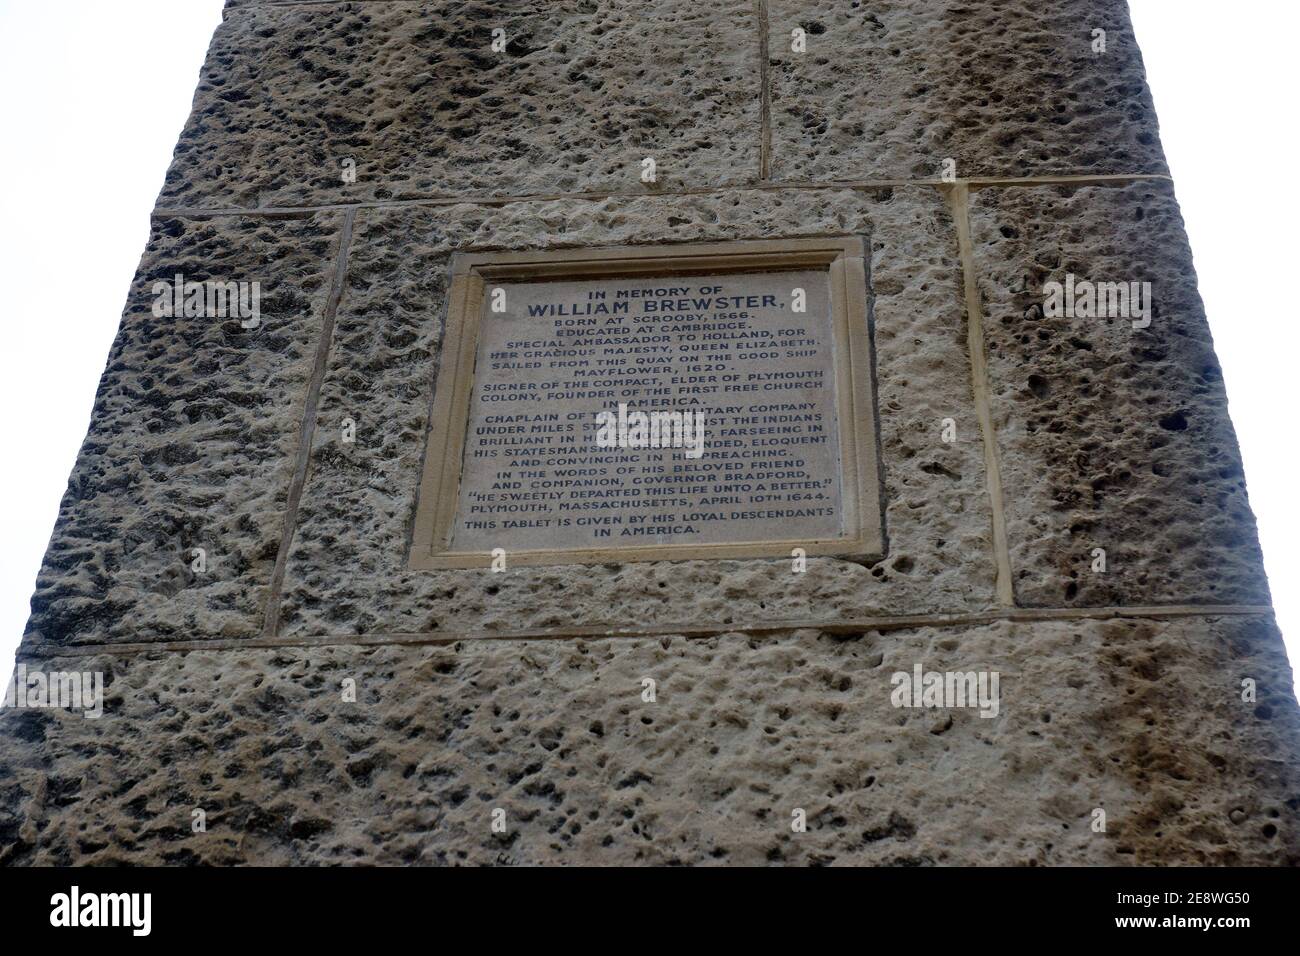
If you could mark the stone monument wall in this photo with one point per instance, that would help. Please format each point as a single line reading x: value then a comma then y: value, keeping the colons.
x: 1061, y: 502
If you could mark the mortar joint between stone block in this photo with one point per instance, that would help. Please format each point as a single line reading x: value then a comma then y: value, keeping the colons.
x: 959, y: 201
x: 307, y: 429
x: 165, y: 212
x: 656, y: 632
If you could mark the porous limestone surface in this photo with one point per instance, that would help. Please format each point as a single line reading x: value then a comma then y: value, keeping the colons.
x: 1111, y: 437
x: 1143, y: 720
x: 1005, y: 88
x: 191, y: 443
x: 1108, y: 437
x: 347, y: 567
x: 582, y: 94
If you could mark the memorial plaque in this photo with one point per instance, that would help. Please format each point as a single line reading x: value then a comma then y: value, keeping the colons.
x: 653, y: 404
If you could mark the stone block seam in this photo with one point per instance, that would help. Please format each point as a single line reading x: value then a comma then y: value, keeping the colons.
x: 307, y: 430
x: 842, y: 626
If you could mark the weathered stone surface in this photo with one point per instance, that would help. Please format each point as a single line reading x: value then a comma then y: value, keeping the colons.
x: 1139, y: 718
x: 346, y: 571
x: 585, y: 90
x: 191, y: 443
x: 1111, y: 437
x: 891, y: 90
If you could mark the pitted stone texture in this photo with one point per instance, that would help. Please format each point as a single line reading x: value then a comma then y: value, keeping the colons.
x: 1139, y: 718
x: 1003, y: 87
x: 1111, y: 437
x: 584, y: 91
x: 191, y: 443
x: 347, y: 567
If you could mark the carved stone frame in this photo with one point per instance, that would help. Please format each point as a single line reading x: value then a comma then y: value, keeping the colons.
x: 855, y: 391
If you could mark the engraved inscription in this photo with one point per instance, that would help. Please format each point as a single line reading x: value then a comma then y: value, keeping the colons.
x: 752, y: 354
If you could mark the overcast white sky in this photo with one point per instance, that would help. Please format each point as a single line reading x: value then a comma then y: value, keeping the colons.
x: 93, y: 95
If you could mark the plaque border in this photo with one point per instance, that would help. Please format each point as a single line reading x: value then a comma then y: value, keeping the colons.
x: 843, y: 257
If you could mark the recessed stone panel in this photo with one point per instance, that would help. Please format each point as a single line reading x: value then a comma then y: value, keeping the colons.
x: 413, y: 93
x: 1113, y: 429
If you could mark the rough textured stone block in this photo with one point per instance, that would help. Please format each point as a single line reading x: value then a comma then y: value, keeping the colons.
x: 1111, y: 437
x: 191, y: 444
x: 584, y: 91
x: 1139, y: 718
x: 890, y: 90
x: 347, y: 566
